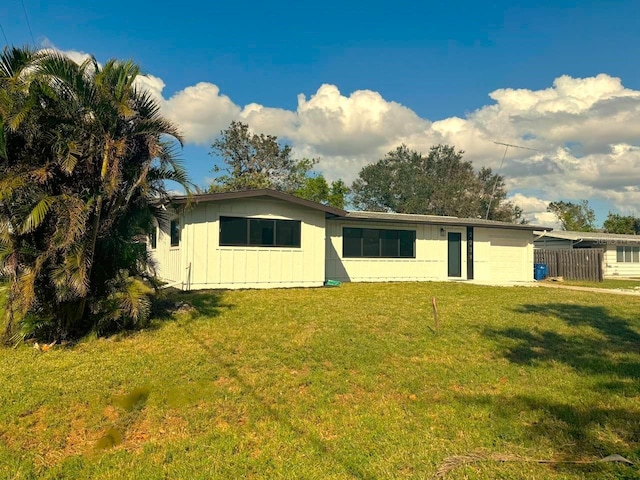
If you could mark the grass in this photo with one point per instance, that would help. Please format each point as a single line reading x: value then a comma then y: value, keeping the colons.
x: 338, y: 383
x: 608, y: 283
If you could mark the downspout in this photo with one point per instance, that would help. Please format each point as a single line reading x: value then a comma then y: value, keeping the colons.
x: 544, y: 232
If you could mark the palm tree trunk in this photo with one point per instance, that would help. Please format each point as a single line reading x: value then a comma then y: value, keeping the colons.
x: 94, y: 234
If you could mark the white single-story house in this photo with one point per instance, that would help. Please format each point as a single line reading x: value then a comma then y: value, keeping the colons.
x: 621, y: 252
x: 265, y: 239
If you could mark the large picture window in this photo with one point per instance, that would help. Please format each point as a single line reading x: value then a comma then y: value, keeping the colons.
x: 259, y: 232
x: 628, y: 254
x: 372, y: 243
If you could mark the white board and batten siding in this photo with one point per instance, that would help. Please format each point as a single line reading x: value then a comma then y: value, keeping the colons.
x: 167, y: 261
x: 613, y: 268
x: 215, y: 266
x: 503, y: 255
x: 430, y: 262
x: 500, y: 255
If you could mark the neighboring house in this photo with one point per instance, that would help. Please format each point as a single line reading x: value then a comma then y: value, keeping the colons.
x: 621, y: 252
x: 266, y: 239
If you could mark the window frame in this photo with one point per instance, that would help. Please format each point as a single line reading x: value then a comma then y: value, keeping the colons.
x: 174, y: 233
x: 280, y: 235
x: 627, y: 254
x: 384, y: 236
x: 153, y: 238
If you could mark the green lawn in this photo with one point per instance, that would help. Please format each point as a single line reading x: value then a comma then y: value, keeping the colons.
x: 612, y: 283
x: 337, y: 383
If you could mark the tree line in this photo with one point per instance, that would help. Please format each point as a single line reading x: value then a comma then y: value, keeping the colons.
x: 580, y: 217
x: 404, y: 181
x: 440, y: 182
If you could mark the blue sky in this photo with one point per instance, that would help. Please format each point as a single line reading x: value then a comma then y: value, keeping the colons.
x: 426, y: 69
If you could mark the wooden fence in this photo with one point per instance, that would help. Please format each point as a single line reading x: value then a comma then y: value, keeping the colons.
x: 574, y: 264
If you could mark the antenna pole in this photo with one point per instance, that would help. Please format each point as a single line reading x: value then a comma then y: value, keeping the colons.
x: 495, y: 184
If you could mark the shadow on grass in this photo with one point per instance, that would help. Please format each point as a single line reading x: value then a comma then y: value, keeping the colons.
x: 609, y: 347
x: 265, y: 408
x: 578, y: 432
x: 202, y: 303
x: 601, y: 344
x: 167, y: 304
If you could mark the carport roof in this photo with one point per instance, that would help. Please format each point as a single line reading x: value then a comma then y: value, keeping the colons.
x: 591, y: 236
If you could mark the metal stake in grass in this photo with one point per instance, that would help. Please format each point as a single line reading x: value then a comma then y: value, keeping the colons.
x: 435, y: 314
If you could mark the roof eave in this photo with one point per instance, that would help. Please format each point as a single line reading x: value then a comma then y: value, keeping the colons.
x: 446, y: 221
x: 214, y: 197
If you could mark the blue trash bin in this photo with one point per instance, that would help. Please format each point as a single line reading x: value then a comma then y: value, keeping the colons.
x: 540, y: 271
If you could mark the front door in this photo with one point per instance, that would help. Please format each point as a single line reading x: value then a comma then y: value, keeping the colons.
x: 455, y: 254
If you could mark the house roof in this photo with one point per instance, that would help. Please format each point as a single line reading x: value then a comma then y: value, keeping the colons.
x: 591, y: 236
x: 264, y: 192
x: 333, y: 212
x: 438, y: 220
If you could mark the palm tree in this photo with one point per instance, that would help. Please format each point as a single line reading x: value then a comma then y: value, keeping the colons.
x: 83, y: 159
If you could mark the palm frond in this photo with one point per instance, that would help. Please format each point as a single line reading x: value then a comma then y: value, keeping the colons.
x: 38, y: 214
x: 84, y: 157
x: 71, y: 275
x: 133, y: 299
x: 68, y: 156
x: 3, y: 141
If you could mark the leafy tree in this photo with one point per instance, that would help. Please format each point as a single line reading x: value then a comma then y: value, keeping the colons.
x: 577, y: 217
x: 440, y: 183
x: 338, y: 193
x: 256, y: 161
x: 616, y: 223
x: 317, y: 189
x: 83, y: 159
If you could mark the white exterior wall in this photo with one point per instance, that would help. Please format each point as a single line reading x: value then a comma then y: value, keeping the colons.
x: 430, y: 262
x: 503, y: 255
x: 167, y: 258
x: 500, y: 255
x: 213, y: 266
x: 614, y: 269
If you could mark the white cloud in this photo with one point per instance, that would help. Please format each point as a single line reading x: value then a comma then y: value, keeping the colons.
x: 151, y: 84
x: 586, y: 132
x: 535, y: 210
x: 201, y: 112
x: 74, y: 55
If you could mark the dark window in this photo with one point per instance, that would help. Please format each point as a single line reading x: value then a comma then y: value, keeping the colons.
x: 407, y: 240
x: 259, y: 232
x: 371, y: 243
x: 153, y: 238
x: 288, y: 233
x: 234, y: 231
x: 175, y: 233
x: 352, y: 242
x: 628, y: 254
x: 262, y: 232
x: 389, y: 245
